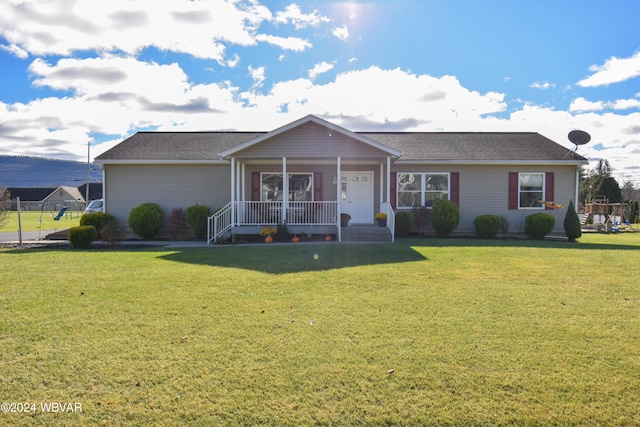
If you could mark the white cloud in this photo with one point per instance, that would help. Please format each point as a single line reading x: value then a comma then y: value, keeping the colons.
x: 320, y: 68
x: 15, y: 50
x: 625, y: 104
x: 292, y: 14
x: 581, y: 104
x: 614, y: 70
x: 543, y: 86
x: 288, y: 43
x: 257, y: 74
x: 201, y: 29
x: 341, y: 32
x: 161, y: 96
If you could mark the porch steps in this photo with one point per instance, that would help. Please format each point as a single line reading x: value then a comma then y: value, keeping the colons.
x: 366, y: 233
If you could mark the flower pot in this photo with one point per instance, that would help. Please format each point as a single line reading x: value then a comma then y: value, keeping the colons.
x: 268, y: 239
x: 382, y: 222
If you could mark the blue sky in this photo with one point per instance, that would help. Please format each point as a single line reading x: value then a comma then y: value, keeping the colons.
x: 78, y: 71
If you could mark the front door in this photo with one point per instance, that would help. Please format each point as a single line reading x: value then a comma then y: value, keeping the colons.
x: 357, y: 196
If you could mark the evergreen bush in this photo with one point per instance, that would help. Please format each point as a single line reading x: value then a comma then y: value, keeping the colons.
x: 487, y: 226
x: 146, y: 220
x: 538, y: 225
x: 445, y: 217
x: 572, y: 226
x: 197, y: 216
x: 282, y: 233
x: 404, y: 223
x: 81, y: 237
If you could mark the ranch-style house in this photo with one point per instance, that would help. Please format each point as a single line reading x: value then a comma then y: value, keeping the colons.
x: 309, y: 172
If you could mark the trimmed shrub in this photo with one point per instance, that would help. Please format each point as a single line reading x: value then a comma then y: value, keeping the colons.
x: 421, y: 216
x: 282, y: 233
x: 538, y: 225
x: 177, y: 223
x: 572, y: 226
x: 487, y: 226
x: 404, y: 223
x: 81, y: 237
x: 145, y: 220
x: 197, y: 216
x: 445, y: 217
x: 97, y: 219
x: 112, y: 233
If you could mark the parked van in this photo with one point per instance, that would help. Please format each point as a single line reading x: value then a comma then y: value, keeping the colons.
x: 95, y: 206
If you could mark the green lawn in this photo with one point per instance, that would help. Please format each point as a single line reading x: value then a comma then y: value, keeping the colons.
x: 32, y: 221
x: 476, y: 333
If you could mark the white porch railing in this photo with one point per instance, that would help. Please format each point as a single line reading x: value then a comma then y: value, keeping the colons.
x: 391, y: 218
x: 270, y: 213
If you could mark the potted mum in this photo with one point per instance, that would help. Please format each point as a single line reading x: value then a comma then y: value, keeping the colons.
x: 268, y: 233
x: 381, y: 218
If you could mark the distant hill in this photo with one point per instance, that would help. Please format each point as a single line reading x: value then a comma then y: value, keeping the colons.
x: 23, y: 171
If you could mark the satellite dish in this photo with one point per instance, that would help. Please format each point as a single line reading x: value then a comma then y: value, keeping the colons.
x: 579, y: 137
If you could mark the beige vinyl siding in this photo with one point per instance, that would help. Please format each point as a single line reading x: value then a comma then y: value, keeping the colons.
x: 310, y: 141
x: 484, y: 189
x: 170, y: 186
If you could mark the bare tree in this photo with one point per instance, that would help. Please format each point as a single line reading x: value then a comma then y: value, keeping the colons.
x: 5, y: 204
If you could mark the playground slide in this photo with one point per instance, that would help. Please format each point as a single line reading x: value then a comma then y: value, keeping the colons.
x: 62, y: 211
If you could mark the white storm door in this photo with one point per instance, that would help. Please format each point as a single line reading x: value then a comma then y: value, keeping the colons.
x: 357, y: 196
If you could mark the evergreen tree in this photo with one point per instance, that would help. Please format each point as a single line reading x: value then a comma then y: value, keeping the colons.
x: 572, y: 226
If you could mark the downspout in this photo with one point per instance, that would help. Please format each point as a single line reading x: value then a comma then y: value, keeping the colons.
x: 104, y: 184
x: 339, y: 204
x: 575, y: 196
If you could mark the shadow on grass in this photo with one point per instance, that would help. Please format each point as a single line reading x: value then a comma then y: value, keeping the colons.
x: 282, y: 259
x: 514, y: 243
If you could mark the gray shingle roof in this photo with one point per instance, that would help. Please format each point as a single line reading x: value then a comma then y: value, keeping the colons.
x: 176, y: 145
x: 425, y: 146
x: 479, y: 146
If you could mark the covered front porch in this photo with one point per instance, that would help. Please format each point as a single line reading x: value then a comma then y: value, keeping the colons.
x: 352, y: 190
x: 307, y: 175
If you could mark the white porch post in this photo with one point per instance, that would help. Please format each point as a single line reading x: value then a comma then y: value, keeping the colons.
x: 238, y: 168
x: 388, y: 191
x: 285, y: 190
x: 244, y: 188
x: 381, y: 186
x: 233, y: 191
x: 339, y: 205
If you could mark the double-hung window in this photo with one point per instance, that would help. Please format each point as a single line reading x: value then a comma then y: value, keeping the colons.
x: 530, y: 190
x: 422, y: 189
x: 300, y: 187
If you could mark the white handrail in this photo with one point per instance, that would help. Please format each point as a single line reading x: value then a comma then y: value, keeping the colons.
x: 270, y: 213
